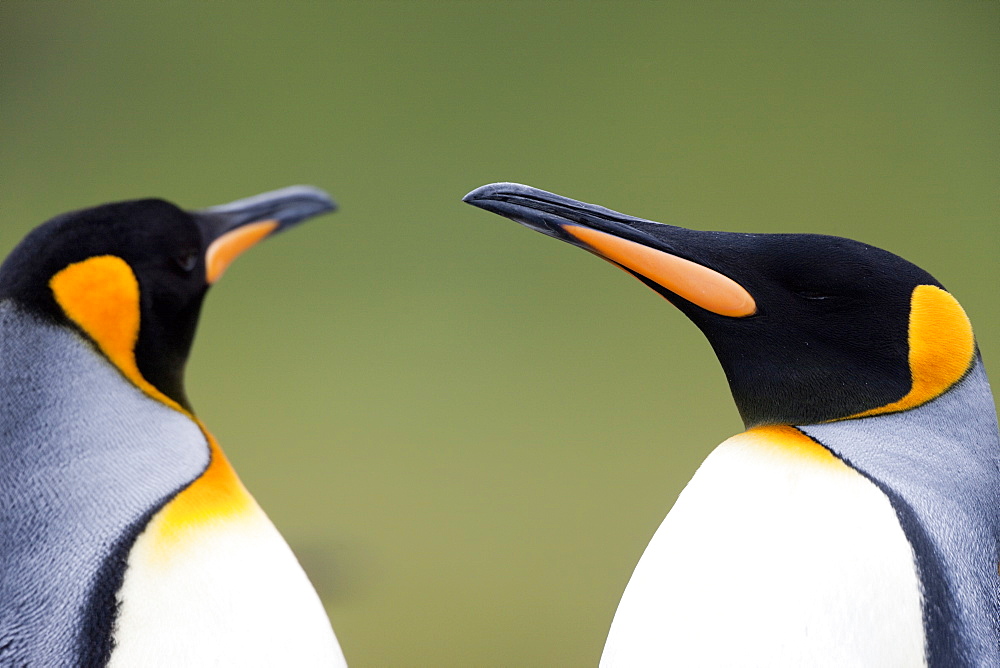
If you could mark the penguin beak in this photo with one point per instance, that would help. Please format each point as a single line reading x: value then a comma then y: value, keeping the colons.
x: 620, y: 239
x: 230, y: 229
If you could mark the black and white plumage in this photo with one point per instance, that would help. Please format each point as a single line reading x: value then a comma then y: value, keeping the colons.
x: 857, y: 521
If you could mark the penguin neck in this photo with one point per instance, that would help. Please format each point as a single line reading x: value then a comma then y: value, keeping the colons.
x: 961, y: 423
x: 50, y: 371
x: 938, y: 465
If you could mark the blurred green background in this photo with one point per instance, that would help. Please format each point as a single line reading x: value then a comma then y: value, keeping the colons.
x: 468, y: 432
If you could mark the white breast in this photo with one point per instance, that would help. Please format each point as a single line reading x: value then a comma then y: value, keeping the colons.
x: 774, y: 555
x: 234, y: 596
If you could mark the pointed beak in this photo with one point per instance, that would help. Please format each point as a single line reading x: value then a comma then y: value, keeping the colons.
x: 230, y: 229
x: 551, y: 214
x: 637, y: 245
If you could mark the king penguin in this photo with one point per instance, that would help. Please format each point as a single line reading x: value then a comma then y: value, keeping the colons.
x: 127, y: 539
x: 856, y: 522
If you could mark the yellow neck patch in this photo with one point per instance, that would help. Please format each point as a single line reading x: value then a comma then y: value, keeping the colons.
x: 216, y: 496
x: 101, y: 295
x: 791, y: 441
x: 942, y: 348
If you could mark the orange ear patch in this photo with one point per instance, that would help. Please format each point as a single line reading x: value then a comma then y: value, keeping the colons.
x: 101, y: 295
x: 942, y: 348
x: 698, y: 284
x: 231, y: 245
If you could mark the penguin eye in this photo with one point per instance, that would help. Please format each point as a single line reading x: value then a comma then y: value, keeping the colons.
x: 187, y: 261
x: 813, y: 294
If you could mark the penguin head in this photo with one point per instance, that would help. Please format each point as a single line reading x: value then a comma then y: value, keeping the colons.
x: 808, y: 328
x: 131, y: 276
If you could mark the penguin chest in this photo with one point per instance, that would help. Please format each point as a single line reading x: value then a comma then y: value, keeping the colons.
x: 227, y: 593
x: 775, y: 554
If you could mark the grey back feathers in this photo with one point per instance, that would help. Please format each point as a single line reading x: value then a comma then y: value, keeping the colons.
x: 85, y: 458
x: 939, y: 464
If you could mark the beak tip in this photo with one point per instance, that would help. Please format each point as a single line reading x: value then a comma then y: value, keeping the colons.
x: 491, y: 191
x: 480, y: 193
x: 321, y: 197
x: 288, y: 206
x: 310, y: 200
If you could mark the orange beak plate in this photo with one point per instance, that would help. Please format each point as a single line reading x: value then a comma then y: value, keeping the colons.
x: 697, y: 284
